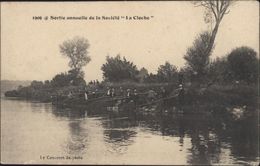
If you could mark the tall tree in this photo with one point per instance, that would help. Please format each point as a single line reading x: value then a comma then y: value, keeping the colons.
x: 197, y: 56
x: 214, y: 13
x: 76, y: 50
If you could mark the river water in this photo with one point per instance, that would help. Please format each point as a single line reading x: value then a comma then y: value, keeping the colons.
x: 35, y: 133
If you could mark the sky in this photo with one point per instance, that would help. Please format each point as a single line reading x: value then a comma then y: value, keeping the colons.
x: 30, y: 48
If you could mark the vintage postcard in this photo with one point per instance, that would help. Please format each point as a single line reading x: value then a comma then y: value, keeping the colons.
x: 130, y: 82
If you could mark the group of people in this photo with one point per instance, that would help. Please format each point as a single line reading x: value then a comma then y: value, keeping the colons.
x: 93, y: 94
x: 151, y: 94
x: 133, y: 94
x: 94, y: 82
x: 120, y: 92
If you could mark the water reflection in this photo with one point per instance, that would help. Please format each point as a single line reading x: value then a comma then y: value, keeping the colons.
x: 211, y: 140
x: 77, y: 141
x: 149, y: 135
x: 119, y: 132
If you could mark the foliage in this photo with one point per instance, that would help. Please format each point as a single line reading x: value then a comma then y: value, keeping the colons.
x: 73, y: 77
x: 197, y: 58
x: 119, y: 69
x: 243, y: 64
x: 218, y: 70
x: 167, y: 73
x: 76, y: 51
x: 11, y: 93
x: 37, y: 84
x: 151, y: 78
x: 142, y: 75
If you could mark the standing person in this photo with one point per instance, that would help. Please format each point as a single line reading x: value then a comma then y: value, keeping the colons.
x: 181, y: 95
x: 135, y: 92
x: 94, y: 94
x: 135, y: 97
x: 70, y: 94
x: 86, y: 95
x: 151, y: 95
x: 112, y: 92
x: 58, y: 96
x: 180, y: 78
x: 163, y: 92
x: 128, y: 93
x: 108, y: 91
x: 121, y: 91
x: 97, y: 82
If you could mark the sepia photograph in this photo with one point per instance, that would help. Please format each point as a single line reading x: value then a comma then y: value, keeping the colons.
x: 130, y: 82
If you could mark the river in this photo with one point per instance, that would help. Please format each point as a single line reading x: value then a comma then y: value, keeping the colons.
x: 36, y: 133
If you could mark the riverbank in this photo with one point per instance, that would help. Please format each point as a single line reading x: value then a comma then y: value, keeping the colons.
x: 226, y: 96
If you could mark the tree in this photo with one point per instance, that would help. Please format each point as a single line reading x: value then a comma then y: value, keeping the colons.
x: 76, y: 51
x: 214, y: 13
x: 60, y: 80
x: 37, y: 84
x: 117, y: 69
x: 67, y: 79
x: 151, y: 78
x: 218, y: 70
x: 197, y: 58
x: 243, y: 64
x: 167, y: 73
x: 142, y: 75
x: 76, y: 77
